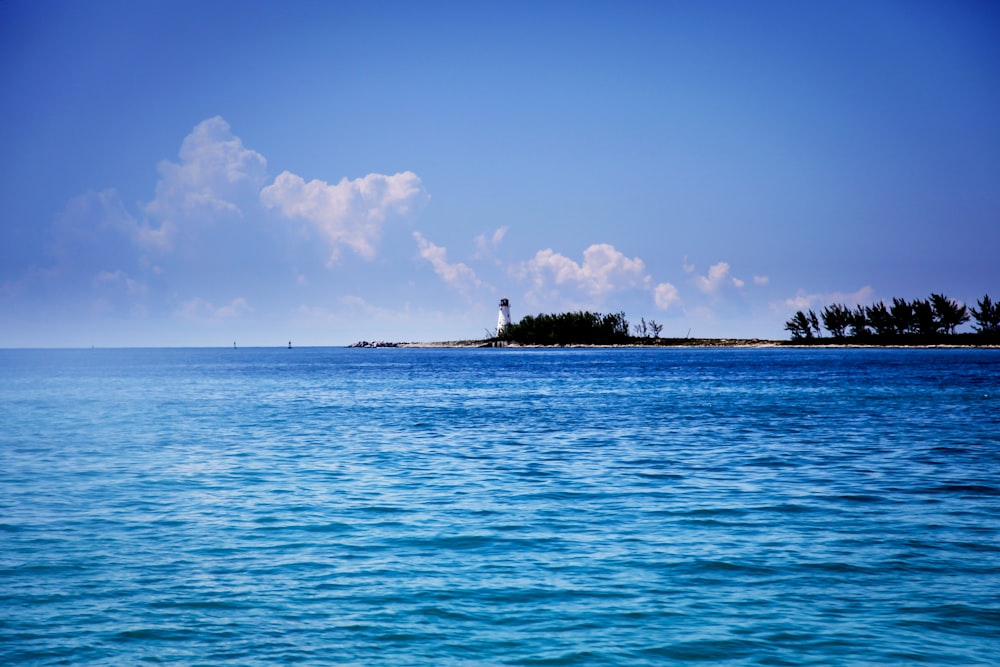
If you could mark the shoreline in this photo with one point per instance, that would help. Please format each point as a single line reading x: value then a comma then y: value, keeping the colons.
x: 701, y: 343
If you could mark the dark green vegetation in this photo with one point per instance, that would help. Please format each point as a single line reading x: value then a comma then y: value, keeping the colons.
x: 586, y: 328
x: 920, y: 322
x: 579, y: 328
x: 930, y: 321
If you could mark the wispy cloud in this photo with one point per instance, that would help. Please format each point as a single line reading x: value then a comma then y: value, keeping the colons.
x: 804, y: 301
x: 202, y: 310
x: 485, y: 245
x: 94, y: 232
x: 120, y: 280
x: 456, y: 275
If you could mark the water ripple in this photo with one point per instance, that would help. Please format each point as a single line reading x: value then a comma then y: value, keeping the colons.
x: 572, y: 507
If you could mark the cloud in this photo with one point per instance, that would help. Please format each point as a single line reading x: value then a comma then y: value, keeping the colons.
x: 216, y: 177
x: 665, y: 295
x: 93, y: 232
x: 803, y: 301
x: 484, y: 243
x: 761, y: 280
x: 203, y: 310
x: 458, y: 275
x: 718, y: 275
x: 349, y: 213
x: 119, y: 280
x: 603, y: 270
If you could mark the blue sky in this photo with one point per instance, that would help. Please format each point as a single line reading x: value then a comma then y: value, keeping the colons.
x: 198, y: 173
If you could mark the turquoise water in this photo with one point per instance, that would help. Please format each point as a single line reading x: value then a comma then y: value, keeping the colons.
x: 522, y: 507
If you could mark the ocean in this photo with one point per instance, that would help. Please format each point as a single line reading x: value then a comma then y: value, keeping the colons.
x: 326, y: 506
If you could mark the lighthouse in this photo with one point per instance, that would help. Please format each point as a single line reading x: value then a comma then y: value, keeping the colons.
x: 503, y: 319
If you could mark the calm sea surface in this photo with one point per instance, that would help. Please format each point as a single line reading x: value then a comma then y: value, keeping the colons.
x: 523, y: 507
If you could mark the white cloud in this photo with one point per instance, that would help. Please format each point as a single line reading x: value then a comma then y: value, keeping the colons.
x: 120, y: 280
x: 456, y: 275
x: 349, y: 213
x: 717, y: 274
x: 485, y: 244
x: 804, y: 301
x: 665, y: 295
x: 604, y: 269
x: 94, y: 230
x: 215, y: 176
x: 203, y: 310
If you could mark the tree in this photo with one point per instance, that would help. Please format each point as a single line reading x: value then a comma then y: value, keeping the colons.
x: 987, y: 317
x: 902, y: 316
x: 801, y: 325
x: 948, y: 313
x: 859, y: 322
x: 582, y: 327
x: 924, y: 321
x: 836, y: 319
x: 642, y: 331
x: 655, y: 328
x: 880, y: 319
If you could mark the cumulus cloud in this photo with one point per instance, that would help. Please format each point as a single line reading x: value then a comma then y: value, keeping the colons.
x: 350, y: 213
x: 216, y: 176
x: 718, y: 275
x: 761, y: 280
x: 665, y: 295
x: 457, y: 275
x: 604, y: 269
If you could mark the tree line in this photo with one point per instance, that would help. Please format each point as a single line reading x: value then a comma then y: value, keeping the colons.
x: 580, y: 328
x: 902, y: 321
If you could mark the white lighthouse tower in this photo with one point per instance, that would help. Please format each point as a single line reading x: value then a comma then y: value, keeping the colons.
x: 503, y: 319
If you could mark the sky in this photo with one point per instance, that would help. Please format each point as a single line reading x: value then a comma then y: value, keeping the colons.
x: 203, y: 173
